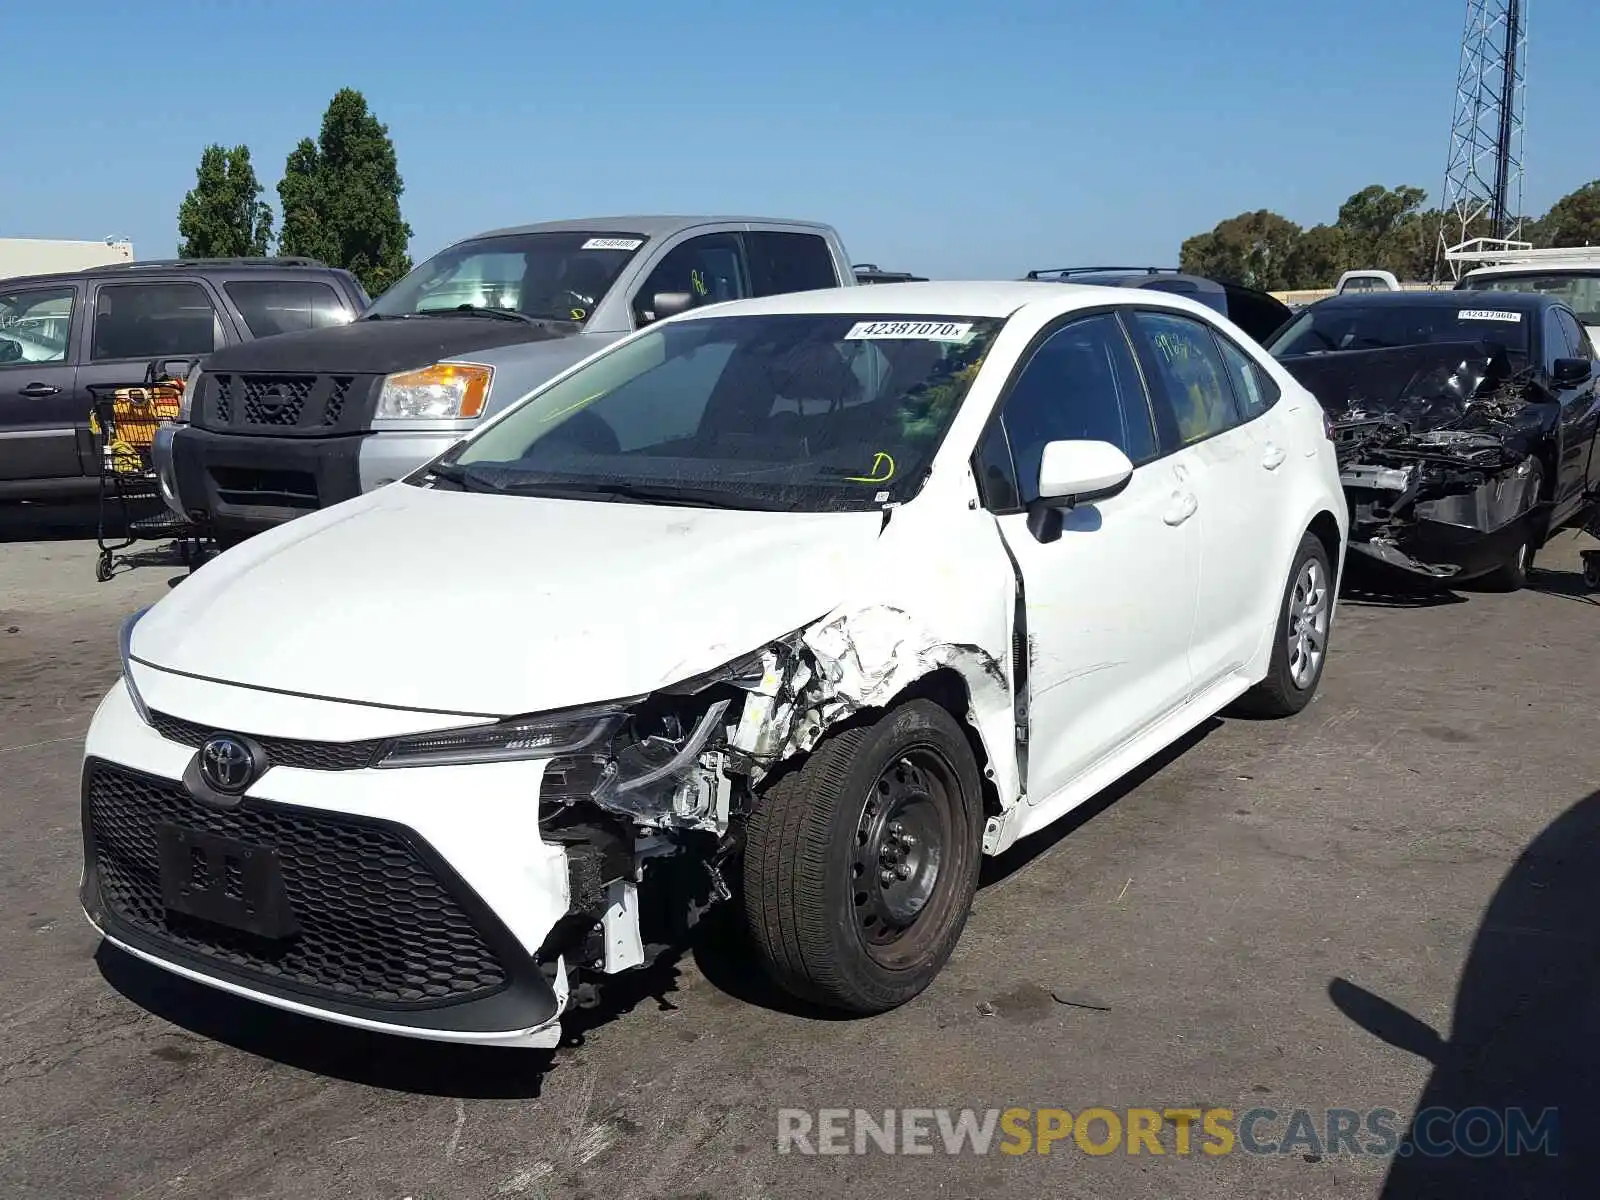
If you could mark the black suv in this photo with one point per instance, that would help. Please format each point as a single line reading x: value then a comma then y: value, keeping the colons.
x: 1257, y: 313
x: 61, y: 334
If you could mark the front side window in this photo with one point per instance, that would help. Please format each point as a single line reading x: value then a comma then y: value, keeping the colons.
x: 709, y: 269
x: 559, y: 276
x: 35, y: 325
x: 1081, y: 383
x: 273, y: 306
x: 1577, y: 340
x: 789, y: 262
x: 1578, y: 290
x: 772, y: 412
x: 1189, y: 369
x: 154, y: 320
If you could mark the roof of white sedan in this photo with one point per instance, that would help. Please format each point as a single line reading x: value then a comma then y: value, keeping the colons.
x: 952, y: 298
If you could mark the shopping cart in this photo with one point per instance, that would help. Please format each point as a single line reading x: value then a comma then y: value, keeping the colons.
x: 123, y: 419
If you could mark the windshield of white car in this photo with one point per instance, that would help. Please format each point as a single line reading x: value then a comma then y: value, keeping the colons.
x: 1579, y: 291
x: 547, y: 276
x: 1330, y: 328
x: 812, y: 412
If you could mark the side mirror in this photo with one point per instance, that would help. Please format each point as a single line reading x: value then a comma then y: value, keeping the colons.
x: 1571, y: 370
x: 1080, y: 472
x: 670, y: 304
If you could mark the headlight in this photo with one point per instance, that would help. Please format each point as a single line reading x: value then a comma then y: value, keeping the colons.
x: 125, y: 652
x: 521, y: 738
x: 444, y: 391
x: 191, y: 390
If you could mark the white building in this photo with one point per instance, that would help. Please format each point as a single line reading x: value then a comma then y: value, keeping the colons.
x: 42, y: 256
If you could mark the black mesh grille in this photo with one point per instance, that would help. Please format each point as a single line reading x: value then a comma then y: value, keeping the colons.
x: 276, y: 399
x: 282, y: 752
x: 224, y: 386
x: 336, y: 399
x: 375, y: 923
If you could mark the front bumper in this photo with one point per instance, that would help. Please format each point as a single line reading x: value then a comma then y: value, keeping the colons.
x: 423, y: 896
x: 246, y: 484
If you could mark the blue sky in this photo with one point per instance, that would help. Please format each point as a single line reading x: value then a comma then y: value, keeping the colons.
x: 954, y: 139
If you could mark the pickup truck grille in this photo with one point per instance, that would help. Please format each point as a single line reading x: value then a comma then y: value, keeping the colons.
x: 285, y: 405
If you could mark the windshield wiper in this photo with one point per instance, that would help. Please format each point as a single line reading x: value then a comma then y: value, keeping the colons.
x: 647, y: 493
x: 475, y: 310
x: 464, y: 478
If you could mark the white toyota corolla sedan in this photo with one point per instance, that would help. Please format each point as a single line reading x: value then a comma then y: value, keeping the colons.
x: 804, y: 604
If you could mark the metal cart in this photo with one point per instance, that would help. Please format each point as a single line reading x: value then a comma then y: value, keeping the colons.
x: 124, y: 419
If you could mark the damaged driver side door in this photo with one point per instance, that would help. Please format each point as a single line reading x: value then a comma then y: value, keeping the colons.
x: 1108, y: 594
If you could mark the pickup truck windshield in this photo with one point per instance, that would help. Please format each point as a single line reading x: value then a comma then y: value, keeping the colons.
x: 795, y: 412
x: 1329, y: 328
x: 1579, y: 291
x: 548, y: 276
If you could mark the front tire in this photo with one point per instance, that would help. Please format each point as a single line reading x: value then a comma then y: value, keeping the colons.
x: 1300, y: 638
x: 861, y: 863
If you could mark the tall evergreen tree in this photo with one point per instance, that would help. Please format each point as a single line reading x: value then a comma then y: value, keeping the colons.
x: 223, y: 215
x: 340, y: 196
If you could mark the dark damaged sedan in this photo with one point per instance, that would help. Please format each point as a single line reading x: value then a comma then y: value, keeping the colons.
x: 1465, y: 424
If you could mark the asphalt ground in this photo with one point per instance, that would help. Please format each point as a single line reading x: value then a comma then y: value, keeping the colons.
x: 1383, y: 906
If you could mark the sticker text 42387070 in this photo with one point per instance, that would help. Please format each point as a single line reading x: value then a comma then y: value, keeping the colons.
x: 922, y: 331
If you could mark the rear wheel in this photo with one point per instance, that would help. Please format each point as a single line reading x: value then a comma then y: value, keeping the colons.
x: 1300, y: 642
x: 861, y: 863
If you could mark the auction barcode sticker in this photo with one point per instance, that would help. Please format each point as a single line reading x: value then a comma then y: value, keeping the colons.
x: 1488, y: 314
x: 924, y: 331
x: 613, y: 243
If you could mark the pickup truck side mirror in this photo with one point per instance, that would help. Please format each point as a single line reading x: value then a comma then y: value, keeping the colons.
x: 670, y: 304
x: 1569, y: 371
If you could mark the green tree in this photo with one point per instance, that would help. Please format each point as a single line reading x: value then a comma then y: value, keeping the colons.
x: 1573, y: 220
x: 223, y: 215
x: 1254, y: 249
x: 340, y: 196
x: 1380, y: 231
x: 1319, y: 258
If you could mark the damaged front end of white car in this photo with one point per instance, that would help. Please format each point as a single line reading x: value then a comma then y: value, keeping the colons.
x: 651, y: 804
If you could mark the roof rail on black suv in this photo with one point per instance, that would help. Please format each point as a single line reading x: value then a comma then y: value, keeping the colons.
x: 167, y: 264
x: 1063, y: 272
x: 1259, y: 314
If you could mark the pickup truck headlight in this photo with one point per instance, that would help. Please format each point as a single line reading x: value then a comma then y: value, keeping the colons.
x: 191, y: 390
x: 520, y: 738
x: 444, y: 391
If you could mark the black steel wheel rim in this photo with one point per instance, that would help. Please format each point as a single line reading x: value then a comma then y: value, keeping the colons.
x: 902, y: 841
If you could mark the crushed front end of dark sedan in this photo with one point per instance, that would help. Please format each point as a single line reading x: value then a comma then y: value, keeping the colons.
x: 1443, y: 448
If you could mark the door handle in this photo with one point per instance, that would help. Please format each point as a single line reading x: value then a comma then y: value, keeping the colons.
x: 1183, y: 506
x: 37, y: 391
x: 1273, y: 458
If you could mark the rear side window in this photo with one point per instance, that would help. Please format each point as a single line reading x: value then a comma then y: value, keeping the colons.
x: 789, y: 262
x: 272, y: 306
x: 1252, y: 387
x: 154, y: 320
x: 1185, y: 360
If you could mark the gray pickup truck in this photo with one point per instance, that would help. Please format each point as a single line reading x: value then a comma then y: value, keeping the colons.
x: 270, y: 431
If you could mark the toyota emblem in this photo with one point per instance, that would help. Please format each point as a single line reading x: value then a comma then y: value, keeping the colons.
x: 227, y: 764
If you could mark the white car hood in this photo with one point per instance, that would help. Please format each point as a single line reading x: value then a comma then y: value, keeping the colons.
x: 500, y: 605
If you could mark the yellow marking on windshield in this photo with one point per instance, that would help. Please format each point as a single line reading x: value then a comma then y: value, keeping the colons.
x: 882, y: 470
x: 577, y: 314
x: 572, y: 408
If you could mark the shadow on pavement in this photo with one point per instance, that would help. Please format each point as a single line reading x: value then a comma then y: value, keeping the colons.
x: 1568, y: 585
x: 1524, y: 1038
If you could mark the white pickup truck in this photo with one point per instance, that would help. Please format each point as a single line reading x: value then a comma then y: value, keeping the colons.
x: 1572, y: 274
